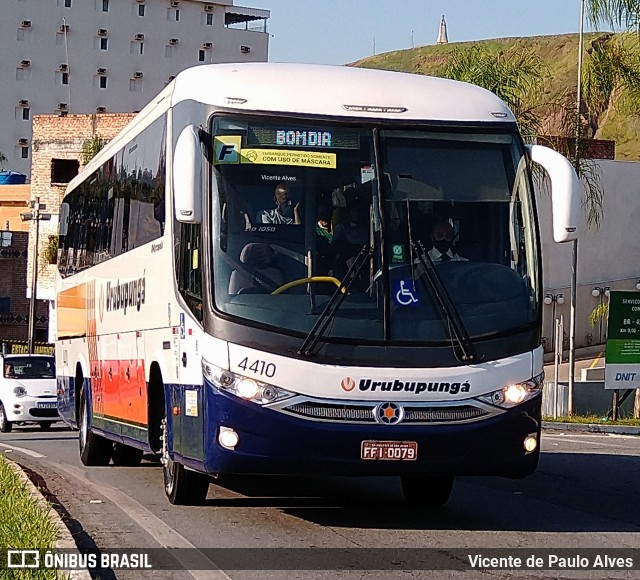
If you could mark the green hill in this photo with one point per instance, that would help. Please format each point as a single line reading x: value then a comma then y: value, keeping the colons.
x: 559, y: 54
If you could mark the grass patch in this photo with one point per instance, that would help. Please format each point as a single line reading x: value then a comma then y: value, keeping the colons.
x: 594, y: 420
x: 23, y: 524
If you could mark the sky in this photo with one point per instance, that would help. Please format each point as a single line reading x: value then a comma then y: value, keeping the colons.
x: 342, y: 31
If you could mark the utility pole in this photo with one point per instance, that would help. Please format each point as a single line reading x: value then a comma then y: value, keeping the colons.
x: 34, y: 215
x: 574, y: 254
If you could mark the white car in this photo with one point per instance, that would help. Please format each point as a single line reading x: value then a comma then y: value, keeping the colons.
x: 27, y: 390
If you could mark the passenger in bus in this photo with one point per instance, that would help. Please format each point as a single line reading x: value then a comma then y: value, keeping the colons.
x: 443, y: 249
x: 284, y: 212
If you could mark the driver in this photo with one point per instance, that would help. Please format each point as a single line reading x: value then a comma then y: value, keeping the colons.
x: 442, y: 243
x: 9, y: 372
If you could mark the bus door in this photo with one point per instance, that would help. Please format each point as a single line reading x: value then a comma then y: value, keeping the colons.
x: 188, y: 425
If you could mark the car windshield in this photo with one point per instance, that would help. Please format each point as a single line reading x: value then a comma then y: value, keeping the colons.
x: 295, y: 203
x: 30, y: 367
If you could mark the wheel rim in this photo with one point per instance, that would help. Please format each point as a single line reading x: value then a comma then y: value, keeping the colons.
x: 2, y: 419
x: 167, y: 463
x: 83, y: 425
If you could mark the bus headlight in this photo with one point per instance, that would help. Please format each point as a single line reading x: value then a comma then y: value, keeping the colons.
x: 20, y: 391
x: 246, y: 388
x: 513, y: 395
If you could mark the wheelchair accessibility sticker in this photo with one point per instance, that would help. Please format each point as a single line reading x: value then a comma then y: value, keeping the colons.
x: 405, y: 293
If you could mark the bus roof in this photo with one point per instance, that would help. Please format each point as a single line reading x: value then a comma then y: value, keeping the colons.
x: 338, y: 91
x: 317, y: 90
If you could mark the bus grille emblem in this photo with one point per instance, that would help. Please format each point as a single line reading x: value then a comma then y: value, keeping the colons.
x: 388, y: 413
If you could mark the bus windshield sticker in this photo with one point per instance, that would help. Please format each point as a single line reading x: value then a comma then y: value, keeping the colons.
x: 405, y: 293
x: 317, y: 159
x: 191, y: 402
x: 226, y: 149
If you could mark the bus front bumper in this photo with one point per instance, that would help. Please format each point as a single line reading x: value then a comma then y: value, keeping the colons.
x: 272, y: 442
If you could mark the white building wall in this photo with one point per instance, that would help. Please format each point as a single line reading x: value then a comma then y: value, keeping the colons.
x: 44, y: 46
x: 607, y: 256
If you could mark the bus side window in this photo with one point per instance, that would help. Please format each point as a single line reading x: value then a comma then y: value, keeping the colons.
x: 190, y: 268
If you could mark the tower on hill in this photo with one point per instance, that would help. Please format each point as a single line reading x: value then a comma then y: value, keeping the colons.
x: 442, y: 33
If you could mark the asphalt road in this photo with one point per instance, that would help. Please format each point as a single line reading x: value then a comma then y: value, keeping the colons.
x: 584, y: 495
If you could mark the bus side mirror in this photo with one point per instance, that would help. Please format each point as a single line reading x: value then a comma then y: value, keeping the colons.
x: 187, y: 177
x: 565, y: 191
x: 63, y: 219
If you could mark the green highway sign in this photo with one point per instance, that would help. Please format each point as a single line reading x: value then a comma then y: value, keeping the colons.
x: 622, y: 370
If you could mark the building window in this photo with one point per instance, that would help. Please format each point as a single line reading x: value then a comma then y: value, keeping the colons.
x: 141, y: 9
x: 141, y: 48
x: 209, y: 21
x: 105, y: 5
x: 24, y: 152
x: 6, y: 236
x: 104, y: 44
x: 67, y: 3
x: 64, y: 78
x: 201, y: 54
x: 173, y: 14
x: 64, y: 170
x: 26, y: 113
x: 168, y: 51
x: 5, y: 304
x: 103, y: 82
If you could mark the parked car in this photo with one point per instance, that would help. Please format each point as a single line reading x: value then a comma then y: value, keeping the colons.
x: 27, y: 391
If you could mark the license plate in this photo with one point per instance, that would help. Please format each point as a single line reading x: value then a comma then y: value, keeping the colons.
x: 390, y: 450
x: 47, y: 405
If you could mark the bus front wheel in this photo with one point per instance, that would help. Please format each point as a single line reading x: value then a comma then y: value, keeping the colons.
x: 427, y: 491
x: 94, y: 450
x: 182, y: 486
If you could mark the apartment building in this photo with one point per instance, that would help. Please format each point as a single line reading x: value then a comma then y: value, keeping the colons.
x: 63, y: 57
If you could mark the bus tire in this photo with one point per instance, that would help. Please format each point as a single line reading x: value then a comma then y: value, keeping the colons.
x: 427, y: 491
x: 5, y: 424
x: 94, y: 449
x: 182, y: 486
x: 45, y: 425
x: 125, y: 456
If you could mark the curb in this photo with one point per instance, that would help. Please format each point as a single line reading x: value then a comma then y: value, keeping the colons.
x: 592, y: 428
x: 65, y: 539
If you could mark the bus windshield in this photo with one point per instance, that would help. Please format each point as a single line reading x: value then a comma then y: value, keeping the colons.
x: 294, y: 203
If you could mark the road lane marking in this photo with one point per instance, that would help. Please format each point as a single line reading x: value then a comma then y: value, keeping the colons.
x: 586, y: 441
x: 164, y: 534
x: 23, y: 450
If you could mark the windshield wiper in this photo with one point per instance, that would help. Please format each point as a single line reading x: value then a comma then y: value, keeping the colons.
x: 331, y: 309
x: 440, y: 294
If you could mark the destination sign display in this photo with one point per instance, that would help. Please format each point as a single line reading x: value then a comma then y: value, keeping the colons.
x: 316, y: 138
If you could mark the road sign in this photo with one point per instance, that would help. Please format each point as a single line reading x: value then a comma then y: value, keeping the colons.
x: 622, y: 369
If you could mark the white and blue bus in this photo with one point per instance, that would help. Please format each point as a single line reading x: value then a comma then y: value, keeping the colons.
x: 297, y: 269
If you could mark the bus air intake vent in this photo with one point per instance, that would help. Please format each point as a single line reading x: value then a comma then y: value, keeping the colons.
x: 442, y: 414
x: 333, y: 412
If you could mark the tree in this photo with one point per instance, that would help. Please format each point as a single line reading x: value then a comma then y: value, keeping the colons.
x: 91, y: 147
x: 621, y: 13
x: 517, y: 77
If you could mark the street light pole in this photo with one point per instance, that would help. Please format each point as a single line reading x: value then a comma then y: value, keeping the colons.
x: 574, y: 253
x: 34, y: 278
x: 34, y: 215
